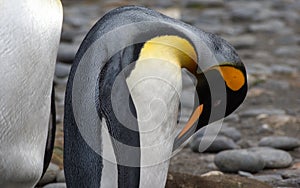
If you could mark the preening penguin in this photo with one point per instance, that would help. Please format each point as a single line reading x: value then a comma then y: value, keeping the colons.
x: 29, y: 38
x: 123, y: 96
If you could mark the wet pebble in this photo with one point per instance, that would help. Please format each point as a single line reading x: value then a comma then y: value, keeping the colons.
x: 218, y: 144
x: 230, y: 132
x: 243, y: 41
x: 272, y: 26
x: 258, y: 111
x: 283, y: 69
x: 287, y: 51
x: 67, y: 52
x: 273, y: 158
x: 62, y: 70
x: 239, y: 160
x: 203, y: 3
x: 280, y: 142
x: 241, y: 11
x: 270, y: 178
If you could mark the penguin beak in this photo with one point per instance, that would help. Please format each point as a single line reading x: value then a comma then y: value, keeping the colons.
x: 220, y: 89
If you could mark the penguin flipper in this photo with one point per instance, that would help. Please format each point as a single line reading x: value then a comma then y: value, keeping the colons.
x: 51, y: 134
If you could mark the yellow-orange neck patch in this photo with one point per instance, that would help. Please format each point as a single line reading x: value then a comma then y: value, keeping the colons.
x: 171, y: 48
x: 233, y: 77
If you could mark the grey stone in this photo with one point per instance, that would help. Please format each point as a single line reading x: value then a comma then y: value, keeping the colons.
x: 288, y: 40
x: 288, y: 174
x: 242, y: 42
x: 60, y: 177
x: 202, y: 3
x: 264, y: 128
x: 56, y: 185
x: 273, y: 158
x: 268, y: 178
x: 257, y: 111
x: 62, y: 70
x: 258, y: 69
x: 242, y: 11
x: 283, y: 69
x: 67, y: 52
x: 231, y: 132
x: 272, y: 26
x: 280, y: 142
x: 60, y: 81
x: 232, y: 118
x: 293, y: 182
x: 233, y: 30
x: 245, y: 174
x: 239, y: 160
x: 245, y: 143
x: 50, y: 174
x: 220, y: 143
x: 287, y: 51
x: 276, y: 84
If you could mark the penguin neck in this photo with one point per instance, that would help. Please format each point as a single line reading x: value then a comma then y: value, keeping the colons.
x: 155, y: 86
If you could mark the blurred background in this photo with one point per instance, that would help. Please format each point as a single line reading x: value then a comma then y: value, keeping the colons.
x: 266, y: 34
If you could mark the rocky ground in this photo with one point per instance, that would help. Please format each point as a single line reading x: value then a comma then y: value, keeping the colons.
x: 266, y: 34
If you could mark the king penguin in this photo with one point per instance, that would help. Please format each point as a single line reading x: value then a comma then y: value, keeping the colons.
x: 123, y: 96
x: 29, y: 39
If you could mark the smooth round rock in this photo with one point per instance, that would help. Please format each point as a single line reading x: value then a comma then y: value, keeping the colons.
x: 62, y: 70
x: 67, y: 52
x: 239, y: 160
x: 56, y: 185
x: 268, y: 178
x: 231, y: 132
x: 273, y: 158
x: 280, y: 142
x: 220, y: 143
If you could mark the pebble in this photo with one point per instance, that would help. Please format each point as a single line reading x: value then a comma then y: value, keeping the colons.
x: 258, y: 111
x: 280, y: 142
x: 239, y: 160
x: 287, y: 51
x: 62, y: 70
x: 241, y: 11
x: 268, y: 178
x: 286, y: 174
x: 245, y: 174
x: 272, y: 26
x: 242, y: 42
x: 203, y: 3
x: 67, y: 52
x: 50, y: 174
x: 273, y: 158
x: 293, y: 182
x: 56, y: 185
x: 218, y: 144
x: 234, y: 118
x: 283, y: 69
x: 230, y: 132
